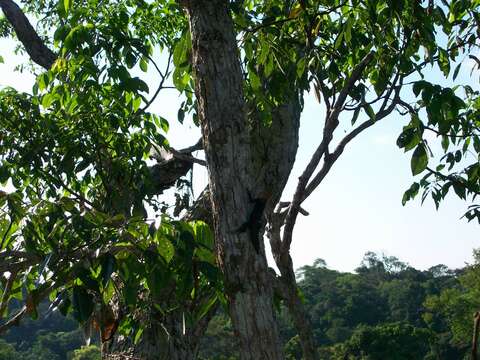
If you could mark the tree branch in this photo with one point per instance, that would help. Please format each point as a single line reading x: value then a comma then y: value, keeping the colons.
x: 331, y: 124
x: 27, y: 35
x: 356, y: 73
x: 14, y: 320
x: 162, y: 81
x: 463, y: 136
x: 330, y: 160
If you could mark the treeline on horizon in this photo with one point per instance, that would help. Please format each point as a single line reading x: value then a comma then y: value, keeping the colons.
x: 386, y: 309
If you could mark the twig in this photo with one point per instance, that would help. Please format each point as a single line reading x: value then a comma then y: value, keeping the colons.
x: 277, y: 22
x: 449, y: 134
x: 453, y: 179
x: 198, y: 146
x: 160, y: 86
x: 356, y: 73
x: 186, y: 157
x: 6, y: 292
x: 14, y: 320
x: 66, y: 187
x: 5, y: 235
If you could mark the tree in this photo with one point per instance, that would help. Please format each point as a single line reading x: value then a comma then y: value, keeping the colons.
x: 91, y: 352
x: 455, y: 307
x: 7, y: 351
x: 77, y: 229
x: 394, y: 341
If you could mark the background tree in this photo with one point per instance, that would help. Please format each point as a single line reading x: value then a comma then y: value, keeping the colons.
x: 7, y: 351
x: 395, y: 341
x: 86, y: 353
x: 454, y: 307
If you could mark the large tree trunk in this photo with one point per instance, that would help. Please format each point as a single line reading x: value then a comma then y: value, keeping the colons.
x: 235, y: 194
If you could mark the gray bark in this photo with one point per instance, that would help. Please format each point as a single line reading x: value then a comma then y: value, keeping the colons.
x: 241, y: 175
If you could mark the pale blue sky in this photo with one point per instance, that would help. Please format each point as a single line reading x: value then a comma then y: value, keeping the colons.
x: 357, y: 208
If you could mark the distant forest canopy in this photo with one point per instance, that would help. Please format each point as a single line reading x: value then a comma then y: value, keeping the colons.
x: 385, y: 310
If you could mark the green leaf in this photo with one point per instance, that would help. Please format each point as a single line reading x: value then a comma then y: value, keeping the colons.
x: 42, y: 81
x: 459, y: 190
x: 161, y: 122
x: 82, y: 304
x: 130, y: 59
x: 476, y: 144
x: 165, y: 247
x: 47, y: 100
x: 418, y: 86
x: 144, y: 64
x: 370, y: 112
x: 182, y: 50
x: 355, y: 115
x: 203, y: 234
x: 296, y: 10
x: 411, y: 135
x: 338, y: 40
x: 109, y: 264
x: 419, y: 160
x: 136, y: 103
x: 108, y: 292
x: 67, y: 204
x: 205, y: 307
x: 1, y: 59
x: 348, y: 30
x: 255, y: 81
x: 300, y: 68
x: 116, y: 221
x: 445, y: 143
x: 444, y: 62
x: 410, y: 193
x: 61, y: 33
x: 138, y: 335
x: 209, y: 270
x: 457, y: 69
x: 67, y: 4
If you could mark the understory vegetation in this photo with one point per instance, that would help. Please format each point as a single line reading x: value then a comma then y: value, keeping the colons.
x: 386, y: 309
